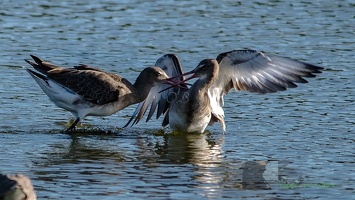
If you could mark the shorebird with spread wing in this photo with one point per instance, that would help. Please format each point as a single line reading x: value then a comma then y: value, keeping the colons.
x: 193, y: 109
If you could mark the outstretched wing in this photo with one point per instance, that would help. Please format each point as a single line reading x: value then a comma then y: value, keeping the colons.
x: 254, y: 71
x: 156, y: 99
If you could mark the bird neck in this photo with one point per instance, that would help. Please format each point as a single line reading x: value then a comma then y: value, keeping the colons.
x: 142, y: 88
x: 201, y: 86
x: 203, y: 83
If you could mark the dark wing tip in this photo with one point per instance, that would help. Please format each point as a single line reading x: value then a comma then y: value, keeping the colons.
x: 244, y: 51
x: 36, y: 59
x: 314, y: 68
x: 33, y: 73
x: 28, y: 61
x: 311, y: 71
x: 129, y: 121
x: 171, y: 55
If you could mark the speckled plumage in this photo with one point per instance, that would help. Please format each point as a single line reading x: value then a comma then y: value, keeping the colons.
x: 85, y: 90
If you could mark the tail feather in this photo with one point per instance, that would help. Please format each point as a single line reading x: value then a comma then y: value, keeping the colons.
x: 36, y: 59
x: 41, y: 65
x: 37, y: 75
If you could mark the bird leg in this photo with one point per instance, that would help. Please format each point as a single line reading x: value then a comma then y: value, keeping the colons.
x: 72, y: 127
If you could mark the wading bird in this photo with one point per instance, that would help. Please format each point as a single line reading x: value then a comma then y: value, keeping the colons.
x: 84, y: 90
x: 192, y: 109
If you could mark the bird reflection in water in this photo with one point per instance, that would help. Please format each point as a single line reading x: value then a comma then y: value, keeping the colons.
x: 202, y: 156
x: 144, y: 162
x: 252, y: 178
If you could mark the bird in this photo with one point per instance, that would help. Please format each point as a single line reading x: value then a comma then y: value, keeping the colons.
x: 84, y: 90
x: 16, y: 187
x: 157, y: 97
x: 192, y: 108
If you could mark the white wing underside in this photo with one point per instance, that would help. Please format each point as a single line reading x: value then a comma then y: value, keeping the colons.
x: 254, y: 71
x: 243, y: 70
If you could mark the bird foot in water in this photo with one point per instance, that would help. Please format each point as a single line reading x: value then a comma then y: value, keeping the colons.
x: 72, y: 124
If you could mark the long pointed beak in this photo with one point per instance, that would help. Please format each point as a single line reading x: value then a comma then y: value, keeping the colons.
x: 179, y: 83
x: 177, y: 78
x: 169, y: 81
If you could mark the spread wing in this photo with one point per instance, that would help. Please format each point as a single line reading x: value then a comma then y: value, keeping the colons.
x: 156, y: 99
x: 254, y: 71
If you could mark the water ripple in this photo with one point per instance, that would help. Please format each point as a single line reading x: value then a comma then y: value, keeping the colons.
x: 296, y: 144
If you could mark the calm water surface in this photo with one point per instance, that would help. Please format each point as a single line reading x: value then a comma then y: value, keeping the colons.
x: 297, y: 144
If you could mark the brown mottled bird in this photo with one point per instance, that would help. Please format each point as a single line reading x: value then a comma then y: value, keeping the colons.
x: 85, y: 90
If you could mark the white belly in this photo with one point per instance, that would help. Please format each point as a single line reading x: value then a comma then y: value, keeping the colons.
x: 178, y: 122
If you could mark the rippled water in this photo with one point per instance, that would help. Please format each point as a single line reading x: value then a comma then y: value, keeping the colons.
x: 297, y: 144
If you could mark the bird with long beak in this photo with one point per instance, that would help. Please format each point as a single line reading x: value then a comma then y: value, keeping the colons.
x: 192, y: 109
x: 85, y: 90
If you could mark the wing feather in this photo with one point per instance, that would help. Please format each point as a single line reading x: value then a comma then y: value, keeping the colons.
x: 157, y: 100
x: 95, y: 86
x: 257, y: 72
x: 91, y: 83
x: 254, y: 71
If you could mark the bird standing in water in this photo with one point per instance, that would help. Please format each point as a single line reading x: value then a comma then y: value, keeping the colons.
x: 84, y: 90
x: 193, y: 109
